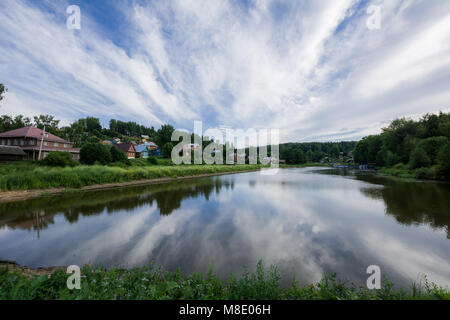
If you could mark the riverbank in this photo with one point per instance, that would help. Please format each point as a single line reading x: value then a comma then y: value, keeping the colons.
x: 19, y: 283
x: 90, y: 178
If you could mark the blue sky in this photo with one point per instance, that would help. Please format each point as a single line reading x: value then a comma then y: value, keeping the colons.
x: 309, y: 68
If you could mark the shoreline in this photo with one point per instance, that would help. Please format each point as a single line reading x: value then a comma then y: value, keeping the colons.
x: 20, y: 195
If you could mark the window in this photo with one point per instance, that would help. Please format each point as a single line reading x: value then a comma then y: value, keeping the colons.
x: 66, y: 145
x: 46, y: 143
x: 9, y: 142
x: 3, y: 142
x: 16, y: 142
x: 56, y: 144
x: 22, y: 142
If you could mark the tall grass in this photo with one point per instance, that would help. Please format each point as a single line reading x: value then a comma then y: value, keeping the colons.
x: 155, y: 283
x: 26, y: 177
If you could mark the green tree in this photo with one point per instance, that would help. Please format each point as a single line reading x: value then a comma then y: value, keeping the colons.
x: 419, y: 158
x: 93, y: 152
x: 300, y: 157
x: 90, y: 124
x: 167, y: 149
x: 50, y: 123
x: 164, y: 135
x: 310, y: 156
x: 444, y: 160
x: 3, y: 89
x: 432, y: 146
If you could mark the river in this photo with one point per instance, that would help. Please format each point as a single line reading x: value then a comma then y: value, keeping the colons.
x: 307, y: 221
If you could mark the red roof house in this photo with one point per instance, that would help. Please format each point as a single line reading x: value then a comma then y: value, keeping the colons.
x: 31, y: 139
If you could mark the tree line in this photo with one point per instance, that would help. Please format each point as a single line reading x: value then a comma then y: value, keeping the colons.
x: 299, y: 153
x: 422, y: 145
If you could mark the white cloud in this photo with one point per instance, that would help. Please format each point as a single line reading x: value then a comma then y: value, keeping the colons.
x: 310, y: 68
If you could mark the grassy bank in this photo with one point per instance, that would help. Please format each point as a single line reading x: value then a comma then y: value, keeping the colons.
x: 26, y: 176
x: 404, y: 171
x: 305, y: 165
x: 155, y: 283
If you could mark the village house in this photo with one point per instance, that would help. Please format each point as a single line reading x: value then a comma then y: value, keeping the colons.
x: 141, y: 151
x: 128, y: 148
x: 31, y: 140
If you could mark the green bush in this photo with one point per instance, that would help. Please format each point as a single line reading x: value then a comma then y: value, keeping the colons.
x: 167, y: 149
x: 444, y: 161
x: 426, y: 173
x: 152, y: 160
x: 59, y: 159
x: 117, y: 155
x: 95, y: 152
x: 151, y: 283
x: 419, y: 158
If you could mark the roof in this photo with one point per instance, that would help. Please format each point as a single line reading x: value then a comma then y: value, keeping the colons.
x: 140, y: 148
x: 125, y: 147
x: 31, y: 132
x: 8, y: 150
x: 71, y: 150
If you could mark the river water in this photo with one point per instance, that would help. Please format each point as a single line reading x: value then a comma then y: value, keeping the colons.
x: 306, y: 221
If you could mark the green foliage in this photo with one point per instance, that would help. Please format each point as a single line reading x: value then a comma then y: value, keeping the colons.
x: 130, y: 129
x: 152, y: 160
x: 27, y: 175
x: 8, y: 123
x: 417, y: 143
x: 419, y: 158
x: 93, y: 152
x: 47, y: 121
x: 3, y: 89
x: 167, y: 149
x: 444, y: 160
x: 118, y: 156
x: 91, y: 125
x: 300, y: 153
x: 164, y: 136
x: 59, y: 159
x: 152, y: 283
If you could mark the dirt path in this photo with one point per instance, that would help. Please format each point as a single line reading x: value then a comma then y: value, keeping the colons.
x: 30, y: 194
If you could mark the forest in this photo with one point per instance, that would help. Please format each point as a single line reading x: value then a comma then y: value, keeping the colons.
x: 419, y: 149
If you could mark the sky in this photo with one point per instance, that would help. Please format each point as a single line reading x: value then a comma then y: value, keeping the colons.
x: 312, y: 69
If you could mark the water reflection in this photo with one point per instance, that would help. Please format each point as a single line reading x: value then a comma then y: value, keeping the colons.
x: 409, y: 202
x: 304, y: 222
x: 38, y: 214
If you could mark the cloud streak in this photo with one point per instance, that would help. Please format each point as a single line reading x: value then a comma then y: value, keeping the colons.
x: 310, y: 68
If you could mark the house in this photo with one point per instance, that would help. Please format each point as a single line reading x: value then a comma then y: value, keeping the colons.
x: 34, y: 141
x: 8, y: 154
x: 141, y: 151
x: 128, y: 148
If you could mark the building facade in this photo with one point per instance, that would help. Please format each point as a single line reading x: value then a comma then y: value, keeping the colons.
x: 31, y: 140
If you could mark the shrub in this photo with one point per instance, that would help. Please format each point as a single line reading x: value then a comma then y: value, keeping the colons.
x: 92, y: 152
x: 152, y: 160
x: 167, y: 149
x: 117, y: 155
x: 425, y: 173
x: 419, y: 158
x: 432, y: 146
x: 444, y: 161
x: 59, y: 159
